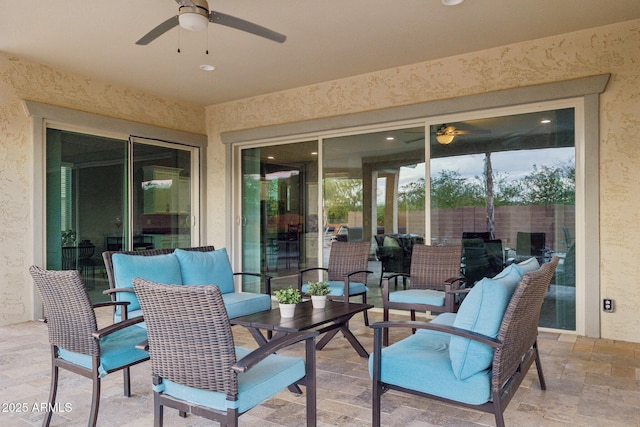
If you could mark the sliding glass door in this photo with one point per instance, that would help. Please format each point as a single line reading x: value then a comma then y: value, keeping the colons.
x: 502, y: 185
x: 105, y: 193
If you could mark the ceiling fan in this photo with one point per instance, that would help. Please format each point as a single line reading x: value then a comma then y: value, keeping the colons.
x: 446, y: 133
x: 194, y: 15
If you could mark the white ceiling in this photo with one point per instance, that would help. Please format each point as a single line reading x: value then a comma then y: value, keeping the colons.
x: 326, y: 39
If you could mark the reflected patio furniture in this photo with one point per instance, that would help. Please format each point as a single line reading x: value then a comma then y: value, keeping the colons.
x: 530, y: 244
x: 481, y: 258
x: 76, y: 342
x: 196, y: 367
x: 476, y: 358
x: 394, y: 253
x: 346, y: 272
x: 80, y: 258
x: 434, y: 283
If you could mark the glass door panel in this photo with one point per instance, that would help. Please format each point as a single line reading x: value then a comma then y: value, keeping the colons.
x: 280, y: 210
x: 161, y: 190
x: 504, y: 188
x: 374, y: 190
x: 86, y: 203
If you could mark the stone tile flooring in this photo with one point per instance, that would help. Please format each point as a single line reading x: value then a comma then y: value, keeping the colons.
x: 590, y: 382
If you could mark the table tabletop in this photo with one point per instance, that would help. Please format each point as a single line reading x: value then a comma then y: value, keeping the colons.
x: 305, y: 317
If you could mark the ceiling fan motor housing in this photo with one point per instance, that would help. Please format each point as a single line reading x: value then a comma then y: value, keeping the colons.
x: 194, y: 15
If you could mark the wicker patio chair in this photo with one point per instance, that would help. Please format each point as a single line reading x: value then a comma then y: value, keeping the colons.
x: 195, y: 365
x: 76, y: 342
x: 489, y: 359
x: 435, y: 283
x: 347, y: 272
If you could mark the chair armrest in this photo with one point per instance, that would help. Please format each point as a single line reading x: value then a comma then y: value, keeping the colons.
x: 351, y: 273
x: 144, y: 345
x: 271, y: 347
x: 484, y: 339
x: 305, y: 270
x: 267, y: 279
x: 455, y: 283
x: 116, y: 290
x: 110, y: 304
x: 100, y: 333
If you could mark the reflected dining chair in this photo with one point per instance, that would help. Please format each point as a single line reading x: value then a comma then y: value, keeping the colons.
x: 434, y: 283
x: 196, y: 367
x: 346, y: 272
x: 77, y: 344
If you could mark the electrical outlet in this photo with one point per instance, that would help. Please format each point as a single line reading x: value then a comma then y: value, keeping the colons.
x: 607, y: 304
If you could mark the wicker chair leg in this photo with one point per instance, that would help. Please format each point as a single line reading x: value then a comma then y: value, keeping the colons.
x: 52, y: 394
x: 182, y: 414
x: 543, y: 384
x: 126, y: 376
x: 158, y: 411
x: 385, y: 331
x: 95, y: 402
x: 365, y: 313
x: 413, y: 318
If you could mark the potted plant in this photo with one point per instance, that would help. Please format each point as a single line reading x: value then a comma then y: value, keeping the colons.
x: 288, y: 298
x: 318, y: 292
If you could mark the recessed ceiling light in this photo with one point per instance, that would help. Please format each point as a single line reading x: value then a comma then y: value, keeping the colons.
x: 390, y: 138
x: 270, y: 157
x: 314, y: 153
x: 451, y: 2
x: 207, y: 67
x: 545, y: 121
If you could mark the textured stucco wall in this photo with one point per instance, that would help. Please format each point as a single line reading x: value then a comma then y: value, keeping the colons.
x: 20, y: 79
x: 611, y: 49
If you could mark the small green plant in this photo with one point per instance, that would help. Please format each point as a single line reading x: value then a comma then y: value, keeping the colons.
x: 288, y: 296
x: 318, y: 288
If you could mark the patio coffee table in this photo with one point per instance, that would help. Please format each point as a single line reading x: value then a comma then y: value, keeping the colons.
x: 328, y: 321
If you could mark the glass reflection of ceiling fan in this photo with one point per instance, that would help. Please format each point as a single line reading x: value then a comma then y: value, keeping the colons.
x: 446, y: 133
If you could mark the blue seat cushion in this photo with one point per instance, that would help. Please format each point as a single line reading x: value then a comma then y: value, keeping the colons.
x: 421, y: 362
x: 116, y: 350
x: 336, y: 288
x: 157, y: 268
x: 243, y: 303
x: 264, y: 380
x: 206, y: 268
x: 418, y: 296
x: 481, y: 311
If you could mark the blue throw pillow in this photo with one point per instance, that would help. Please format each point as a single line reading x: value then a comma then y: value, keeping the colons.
x: 529, y: 265
x: 157, y: 268
x: 206, y: 268
x: 481, y: 311
x: 511, y: 271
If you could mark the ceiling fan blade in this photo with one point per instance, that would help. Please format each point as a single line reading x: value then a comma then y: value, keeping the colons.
x: 242, y: 25
x: 472, y: 132
x: 158, y: 31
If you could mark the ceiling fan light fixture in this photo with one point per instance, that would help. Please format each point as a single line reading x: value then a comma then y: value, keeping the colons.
x: 193, y: 21
x: 445, y: 138
x: 451, y: 2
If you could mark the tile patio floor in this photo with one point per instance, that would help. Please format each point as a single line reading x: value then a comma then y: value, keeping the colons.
x: 591, y: 382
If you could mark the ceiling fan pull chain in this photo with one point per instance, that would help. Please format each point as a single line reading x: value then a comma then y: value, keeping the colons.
x: 179, y: 33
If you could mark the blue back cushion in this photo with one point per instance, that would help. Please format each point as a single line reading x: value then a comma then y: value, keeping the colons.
x: 481, y: 311
x: 206, y: 268
x: 158, y: 268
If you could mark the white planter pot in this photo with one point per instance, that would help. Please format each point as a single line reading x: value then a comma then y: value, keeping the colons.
x: 287, y: 310
x: 318, y: 301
